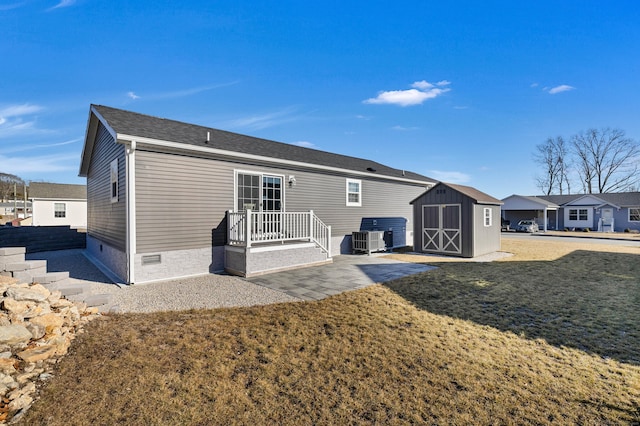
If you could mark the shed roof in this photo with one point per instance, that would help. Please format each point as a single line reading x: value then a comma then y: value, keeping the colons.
x: 477, y: 196
x: 58, y: 191
x: 134, y: 124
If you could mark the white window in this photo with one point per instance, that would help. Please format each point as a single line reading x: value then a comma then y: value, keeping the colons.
x: 354, y: 192
x: 487, y: 217
x: 578, y: 214
x: 59, y: 210
x: 114, y: 181
x: 634, y: 214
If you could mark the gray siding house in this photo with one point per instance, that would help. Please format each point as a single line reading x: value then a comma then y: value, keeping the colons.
x: 168, y: 199
x: 609, y: 212
x: 456, y: 220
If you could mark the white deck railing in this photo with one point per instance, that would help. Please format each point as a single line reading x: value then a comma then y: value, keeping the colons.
x: 248, y: 227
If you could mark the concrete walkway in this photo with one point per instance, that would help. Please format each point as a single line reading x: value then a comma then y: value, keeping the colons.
x: 347, y: 272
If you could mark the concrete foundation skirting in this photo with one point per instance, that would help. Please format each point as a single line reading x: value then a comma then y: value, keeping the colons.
x: 260, y: 260
x: 109, y: 257
x: 164, y: 265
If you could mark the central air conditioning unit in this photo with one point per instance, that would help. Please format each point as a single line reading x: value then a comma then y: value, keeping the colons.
x: 368, y: 241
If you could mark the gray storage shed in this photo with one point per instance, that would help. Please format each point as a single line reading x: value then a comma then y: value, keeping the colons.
x: 456, y: 220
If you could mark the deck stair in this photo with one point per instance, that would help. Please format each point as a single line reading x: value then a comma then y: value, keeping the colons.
x: 13, y: 264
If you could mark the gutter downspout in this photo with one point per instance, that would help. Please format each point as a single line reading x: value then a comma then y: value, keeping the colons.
x: 131, y: 209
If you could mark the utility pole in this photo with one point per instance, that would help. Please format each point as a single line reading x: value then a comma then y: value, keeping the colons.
x: 15, y: 201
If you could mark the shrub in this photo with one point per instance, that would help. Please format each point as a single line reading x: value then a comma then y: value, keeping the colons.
x: 586, y: 230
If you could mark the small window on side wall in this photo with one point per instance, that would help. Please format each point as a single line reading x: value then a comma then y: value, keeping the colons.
x: 59, y: 210
x: 487, y: 217
x: 114, y: 181
x: 354, y: 192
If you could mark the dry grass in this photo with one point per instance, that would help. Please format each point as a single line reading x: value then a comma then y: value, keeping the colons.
x: 513, y: 342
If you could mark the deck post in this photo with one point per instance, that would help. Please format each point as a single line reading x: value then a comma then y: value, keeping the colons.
x: 228, y: 226
x: 247, y: 229
x: 329, y: 240
x: 311, y: 238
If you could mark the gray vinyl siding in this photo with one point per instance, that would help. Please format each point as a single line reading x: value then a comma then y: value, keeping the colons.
x: 486, y: 239
x: 106, y: 221
x: 181, y: 201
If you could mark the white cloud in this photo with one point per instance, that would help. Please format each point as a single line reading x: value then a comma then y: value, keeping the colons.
x: 404, y: 129
x: 64, y: 3
x: 460, y: 107
x: 422, y: 85
x: 257, y: 122
x: 27, y: 147
x: 39, y: 164
x: 132, y: 95
x: 450, y: 176
x: 560, y: 89
x: 443, y: 83
x: 12, y: 119
x: 18, y: 110
x: 533, y: 85
x: 305, y: 144
x: 363, y: 117
x: 421, y: 91
x: 4, y: 7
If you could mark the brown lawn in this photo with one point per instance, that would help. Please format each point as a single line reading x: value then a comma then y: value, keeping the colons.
x: 548, y: 336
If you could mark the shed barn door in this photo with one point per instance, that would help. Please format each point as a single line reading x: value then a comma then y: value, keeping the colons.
x: 441, y: 228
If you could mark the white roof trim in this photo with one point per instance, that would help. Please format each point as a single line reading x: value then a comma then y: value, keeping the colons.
x: 208, y: 150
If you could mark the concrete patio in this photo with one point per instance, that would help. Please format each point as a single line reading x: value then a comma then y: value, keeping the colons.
x: 347, y: 272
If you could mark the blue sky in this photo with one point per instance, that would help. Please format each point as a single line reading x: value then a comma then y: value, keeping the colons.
x: 458, y: 91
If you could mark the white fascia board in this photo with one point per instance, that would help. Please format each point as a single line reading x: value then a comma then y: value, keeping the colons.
x: 187, y: 147
x: 89, y: 139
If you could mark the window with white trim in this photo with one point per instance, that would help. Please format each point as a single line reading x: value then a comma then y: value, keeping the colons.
x: 634, y: 214
x: 487, y: 216
x: 114, y: 181
x: 578, y: 214
x: 354, y: 192
x: 59, y: 210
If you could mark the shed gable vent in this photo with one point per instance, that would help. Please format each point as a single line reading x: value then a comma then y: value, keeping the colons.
x: 151, y: 259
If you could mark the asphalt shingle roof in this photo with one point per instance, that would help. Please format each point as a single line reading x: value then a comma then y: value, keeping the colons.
x: 622, y: 199
x: 478, y: 196
x: 135, y: 124
x: 61, y: 191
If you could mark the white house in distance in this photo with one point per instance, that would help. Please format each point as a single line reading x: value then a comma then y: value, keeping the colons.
x: 56, y: 204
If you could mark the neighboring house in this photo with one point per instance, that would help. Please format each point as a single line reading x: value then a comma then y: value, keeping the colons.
x: 8, y: 209
x: 612, y: 212
x: 56, y: 204
x: 520, y: 207
x: 168, y: 199
x: 456, y: 220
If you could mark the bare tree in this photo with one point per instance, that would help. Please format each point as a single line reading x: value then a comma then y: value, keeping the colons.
x: 7, y: 182
x: 606, y: 160
x: 552, y: 156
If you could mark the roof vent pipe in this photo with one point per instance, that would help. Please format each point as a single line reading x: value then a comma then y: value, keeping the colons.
x: 208, y: 137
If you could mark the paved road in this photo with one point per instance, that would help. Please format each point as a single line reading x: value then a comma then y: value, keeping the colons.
x: 581, y: 240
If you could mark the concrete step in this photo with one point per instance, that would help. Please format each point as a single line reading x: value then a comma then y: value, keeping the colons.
x: 9, y: 255
x: 51, y: 277
x: 93, y: 300
x: 9, y: 251
x: 66, y: 288
x: 26, y: 265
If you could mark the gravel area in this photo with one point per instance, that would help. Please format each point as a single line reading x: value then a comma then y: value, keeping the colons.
x: 201, y: 292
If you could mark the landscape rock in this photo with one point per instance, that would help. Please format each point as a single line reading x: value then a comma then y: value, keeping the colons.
x: 38, y: 353
x: 32, y: 294
x: 37, y: 327
x: 14, y: 333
